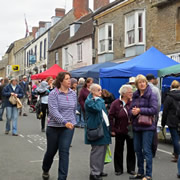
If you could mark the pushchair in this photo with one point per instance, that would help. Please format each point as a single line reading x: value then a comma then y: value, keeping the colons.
x: 33, y: 101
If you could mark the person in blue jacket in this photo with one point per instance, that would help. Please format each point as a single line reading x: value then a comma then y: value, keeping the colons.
x: 11, y: 110
x: 94, y: 108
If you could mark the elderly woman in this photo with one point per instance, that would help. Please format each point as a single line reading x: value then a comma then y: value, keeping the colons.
x: 145, y: 103
x: 94, y: 109
x: 12, y: 89
x: 61, y: 120
x: 119, y: 121
x: 170, y: 117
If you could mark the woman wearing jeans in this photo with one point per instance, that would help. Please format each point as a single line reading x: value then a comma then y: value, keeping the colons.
x: 144, y: 102
x: 61, y: 120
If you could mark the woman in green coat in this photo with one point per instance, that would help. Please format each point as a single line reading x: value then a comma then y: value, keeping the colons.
x: 94, y: 109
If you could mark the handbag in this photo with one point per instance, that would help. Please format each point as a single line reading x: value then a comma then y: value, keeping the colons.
x: 96, y: 133
x: 144, y: 120
x: 13, y: 100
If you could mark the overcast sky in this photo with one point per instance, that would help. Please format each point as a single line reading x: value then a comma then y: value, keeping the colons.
x: 12, y: 17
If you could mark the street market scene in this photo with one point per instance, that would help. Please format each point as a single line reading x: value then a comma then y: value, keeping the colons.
x: 93, y: 93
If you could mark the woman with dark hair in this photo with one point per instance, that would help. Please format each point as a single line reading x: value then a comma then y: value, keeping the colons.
x: 108, y: 98
x: 61, y: 120
x: 84, y: 93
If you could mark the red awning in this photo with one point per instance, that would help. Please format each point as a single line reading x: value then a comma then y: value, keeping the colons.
x: 52, y: 71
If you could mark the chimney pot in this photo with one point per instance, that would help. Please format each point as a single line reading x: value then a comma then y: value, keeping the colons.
x: 100, y: 3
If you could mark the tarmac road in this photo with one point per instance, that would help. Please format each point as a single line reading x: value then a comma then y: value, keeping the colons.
x: 21, y: 157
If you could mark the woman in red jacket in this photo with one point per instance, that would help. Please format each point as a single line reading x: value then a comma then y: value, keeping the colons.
x: 84, y: 94
x: 119, y: 121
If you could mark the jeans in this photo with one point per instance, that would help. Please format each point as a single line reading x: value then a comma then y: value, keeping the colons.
x: 143, y: 149
x: 79, y: 117
x: 2, y: 110
x: 58, y: 138
x: 11, y: 114
x: 175, y: 140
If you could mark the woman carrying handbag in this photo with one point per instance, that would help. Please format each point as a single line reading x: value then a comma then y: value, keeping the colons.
x: 94, y: 109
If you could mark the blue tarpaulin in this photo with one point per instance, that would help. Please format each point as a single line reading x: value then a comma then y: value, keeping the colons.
x: 149, y: 62
x: 91, y: 71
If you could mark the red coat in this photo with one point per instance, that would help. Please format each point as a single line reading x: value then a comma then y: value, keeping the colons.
x: 118, y: 117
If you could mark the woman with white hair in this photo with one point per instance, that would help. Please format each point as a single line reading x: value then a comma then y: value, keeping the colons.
x: 94, y: 110
x: 119, y: 121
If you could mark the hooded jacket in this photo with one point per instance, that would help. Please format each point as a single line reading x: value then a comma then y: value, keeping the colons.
x: 169, y: 117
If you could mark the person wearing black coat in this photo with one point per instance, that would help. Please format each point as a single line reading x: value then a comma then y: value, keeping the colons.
x: 170, y: 118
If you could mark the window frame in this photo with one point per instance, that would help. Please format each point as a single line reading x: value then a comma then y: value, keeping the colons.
x: 106, y: 38
x: 66, y: 56
x: 136, y: 28
x: 56, y: 57
x: 79, y: 52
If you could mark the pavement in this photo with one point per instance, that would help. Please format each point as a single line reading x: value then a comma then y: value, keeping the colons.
x: 21, y: 156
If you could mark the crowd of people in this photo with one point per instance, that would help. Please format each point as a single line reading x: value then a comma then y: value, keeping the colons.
x: 67, y: 103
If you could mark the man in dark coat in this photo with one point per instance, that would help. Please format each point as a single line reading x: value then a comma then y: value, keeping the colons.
x: 24, y: 100
x: 4, y: 82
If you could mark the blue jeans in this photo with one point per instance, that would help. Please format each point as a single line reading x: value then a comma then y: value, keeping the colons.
x: 175, y: 140
x: 58, y: 138
x: 2, y: 110
x: 11, y: 114
x: 79, y: 117
x: 143, y: 149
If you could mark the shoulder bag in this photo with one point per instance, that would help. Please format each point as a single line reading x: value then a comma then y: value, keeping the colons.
x: 95, y: 133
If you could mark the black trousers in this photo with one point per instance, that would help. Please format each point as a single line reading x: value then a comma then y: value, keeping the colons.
x: 118, y: 153
x: 44, y: 108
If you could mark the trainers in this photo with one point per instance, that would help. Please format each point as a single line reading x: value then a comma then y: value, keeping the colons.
x: 45, y: 175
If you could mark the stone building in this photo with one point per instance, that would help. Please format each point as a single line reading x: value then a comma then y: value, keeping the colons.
x: 11, y: 51
x: 127, y: 28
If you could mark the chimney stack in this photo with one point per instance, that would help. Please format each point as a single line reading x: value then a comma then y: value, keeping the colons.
x: 42, y: 24
x: 34, y: 30
x: 60, y: 12
x: 100, y: 3
x: 81, y: 8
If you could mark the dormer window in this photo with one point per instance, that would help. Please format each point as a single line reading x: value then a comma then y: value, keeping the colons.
x: 74, y: 28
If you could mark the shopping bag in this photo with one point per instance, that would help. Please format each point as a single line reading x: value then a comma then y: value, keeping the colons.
x: 19, y: 103
x: 12, y: 100
x: 108, y: 156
